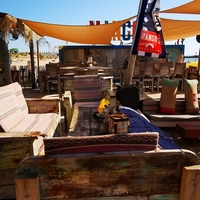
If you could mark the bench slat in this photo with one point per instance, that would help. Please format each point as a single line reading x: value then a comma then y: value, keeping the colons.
x: 105, y: 175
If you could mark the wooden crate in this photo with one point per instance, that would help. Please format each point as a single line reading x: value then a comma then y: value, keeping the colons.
x: 118, y: 123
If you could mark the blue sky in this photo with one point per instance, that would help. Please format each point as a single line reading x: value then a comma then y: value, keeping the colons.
x: 80, y: 12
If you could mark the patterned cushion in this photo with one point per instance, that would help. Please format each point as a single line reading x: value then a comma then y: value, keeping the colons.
x: 10, y: 112
x: 43, y: 123
x: 103, y: 143
x: 87, y: 88
x: 191, y: 98
x: 20, y: 97
x: 16, y: 87
x: 168, y: 96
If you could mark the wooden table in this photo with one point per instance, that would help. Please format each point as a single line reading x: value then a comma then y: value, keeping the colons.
x: 189, y: 129
x: 68, y: 69
x: 84, y: 70
x: 61, y: 82
x: 63, y: 71
x: 84, y: 124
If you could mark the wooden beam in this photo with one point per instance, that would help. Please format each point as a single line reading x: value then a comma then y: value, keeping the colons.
x: 5, y: 58
x: 27, y: 189
x: 190, y: 184
x: 129, y: 72
x: 31, y: 46
x: 105, y: 176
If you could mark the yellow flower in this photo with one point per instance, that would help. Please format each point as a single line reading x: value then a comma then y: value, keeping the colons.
x: 103, y: 103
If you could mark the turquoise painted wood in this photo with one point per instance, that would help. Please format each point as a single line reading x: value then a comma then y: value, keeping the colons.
x: 13, y: 149
x: 116, y: 176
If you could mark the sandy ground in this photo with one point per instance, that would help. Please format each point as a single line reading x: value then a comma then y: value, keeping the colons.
x: 25, y: 61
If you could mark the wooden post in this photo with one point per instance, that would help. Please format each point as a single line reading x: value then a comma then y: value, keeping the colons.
x: 68, y: 107
x: 32, y: 64
x: 38, y: 58
x: 130, y: 69
x: 5, y: 58
x: 27, y: 189
x: 190, y: 184
x: 199, y: 61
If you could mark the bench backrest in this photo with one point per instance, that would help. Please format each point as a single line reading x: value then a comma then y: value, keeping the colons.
x: 87, y: 88
x: 139, y: 142
x: 13, y: 106
x: 125, y: 175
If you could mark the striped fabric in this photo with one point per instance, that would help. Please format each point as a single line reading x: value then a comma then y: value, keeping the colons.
x: 14, y: 116
x: 20, y: 97
x: 44, y: 123
x: 87, y: 88
x: 139, y: 142
x: 10, y: 112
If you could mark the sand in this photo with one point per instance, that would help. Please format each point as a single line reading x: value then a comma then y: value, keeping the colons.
x: 15, y: 63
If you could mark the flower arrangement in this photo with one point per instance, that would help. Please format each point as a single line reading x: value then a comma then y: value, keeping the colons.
x: 103, y: 103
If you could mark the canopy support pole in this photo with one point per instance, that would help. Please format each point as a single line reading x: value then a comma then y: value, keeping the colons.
x: 32, y: 64
x: 130, y: 69
x: 199, y: 61
x: 38, y: 59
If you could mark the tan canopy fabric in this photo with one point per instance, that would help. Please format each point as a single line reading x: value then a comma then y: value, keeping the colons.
x: 102, y: 34
x: 98, y: 34
x: 176, y: 29
x: 188, y: 8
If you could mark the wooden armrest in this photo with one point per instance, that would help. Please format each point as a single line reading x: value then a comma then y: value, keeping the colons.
x: 145, y: 141
x: 110, y: 95
x: 20, y: 135
x: 107, y: 77
x: 68, y: 106
x: 40, y: 105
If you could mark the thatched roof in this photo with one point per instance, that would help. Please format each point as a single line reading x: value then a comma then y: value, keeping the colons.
x: 13, y: 27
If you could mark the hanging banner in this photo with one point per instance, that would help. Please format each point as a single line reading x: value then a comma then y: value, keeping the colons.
x: 148, y: 38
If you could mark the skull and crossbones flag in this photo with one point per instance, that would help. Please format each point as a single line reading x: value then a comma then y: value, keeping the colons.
x: 148, y: 38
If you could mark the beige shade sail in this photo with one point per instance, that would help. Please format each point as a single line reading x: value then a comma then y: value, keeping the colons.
x: 96, y: 34
x: 192, y: 7
x: 102, y: 34
x: 176, y: 29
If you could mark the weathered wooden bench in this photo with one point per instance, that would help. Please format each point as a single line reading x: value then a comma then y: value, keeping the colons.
x: 151, y: 110
x: 88, y: 91
x: 40, y: 120
x: 98, y: 167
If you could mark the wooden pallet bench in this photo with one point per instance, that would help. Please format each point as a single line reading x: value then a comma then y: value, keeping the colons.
x: 151, y: 110
x: 108, y: 167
